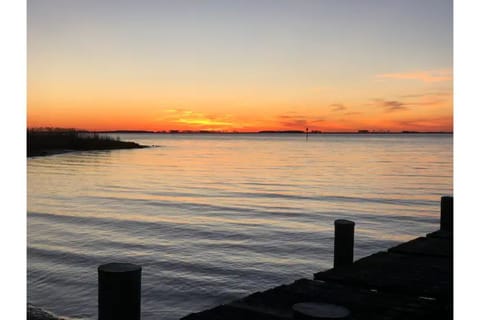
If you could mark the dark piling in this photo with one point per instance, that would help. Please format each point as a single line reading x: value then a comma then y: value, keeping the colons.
x: 343, y: 247
x: 119, y: 288
x: 446, y: 214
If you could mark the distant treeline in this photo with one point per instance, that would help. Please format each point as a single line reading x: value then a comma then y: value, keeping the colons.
x: 44, y: 141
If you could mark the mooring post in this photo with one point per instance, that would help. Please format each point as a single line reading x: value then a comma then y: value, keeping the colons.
x: 119, y: 287
x: 343, y: 247
x: 446, y: 214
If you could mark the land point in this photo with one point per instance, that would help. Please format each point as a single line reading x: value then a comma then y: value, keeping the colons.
x: 43, y: 142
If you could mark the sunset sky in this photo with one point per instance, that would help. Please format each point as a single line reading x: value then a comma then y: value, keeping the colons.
x: 328, y: 65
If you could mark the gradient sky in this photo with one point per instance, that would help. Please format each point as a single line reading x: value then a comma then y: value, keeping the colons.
x: 330, y: 65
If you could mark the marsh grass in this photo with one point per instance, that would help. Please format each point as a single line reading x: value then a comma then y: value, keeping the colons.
x: 44, y: 141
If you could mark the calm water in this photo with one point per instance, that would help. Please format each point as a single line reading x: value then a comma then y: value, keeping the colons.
x: 212, y: 218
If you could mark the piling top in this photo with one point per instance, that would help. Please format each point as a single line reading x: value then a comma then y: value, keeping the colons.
x: 344, y: 222
x: 317, y: 310
x: 117, y: 267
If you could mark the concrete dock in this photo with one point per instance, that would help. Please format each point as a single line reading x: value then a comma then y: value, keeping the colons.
x: 413, y: 280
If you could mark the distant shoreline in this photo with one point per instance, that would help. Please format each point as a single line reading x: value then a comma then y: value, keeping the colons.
x: 59, y: 141
x: 268, y: 132
x: 51, y: 142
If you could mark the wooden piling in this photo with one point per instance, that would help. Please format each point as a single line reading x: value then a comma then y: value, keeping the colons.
x: 119, y: 291
x: 446, y: 214
x: 343, y: 247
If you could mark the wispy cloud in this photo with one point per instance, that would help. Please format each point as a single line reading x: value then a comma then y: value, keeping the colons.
x: 428, y: 124
x: 429, y: 76
x: 295, y: 123
x: 341, y: 110
x: 337, y: 107
x: 199, y: 119
x: 391, y: 105
x: 298, y: 121
x: 203, y: 122
x: 176, y: 111
x: 428, y: 98
x: 413, y: 101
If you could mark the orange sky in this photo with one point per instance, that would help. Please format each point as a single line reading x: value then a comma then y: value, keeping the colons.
x: 155, y: 67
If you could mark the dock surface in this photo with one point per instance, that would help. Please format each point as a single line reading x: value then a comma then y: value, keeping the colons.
x: 413, y: 280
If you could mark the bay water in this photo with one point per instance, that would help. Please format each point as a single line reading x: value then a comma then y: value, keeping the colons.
x: 215, y: 217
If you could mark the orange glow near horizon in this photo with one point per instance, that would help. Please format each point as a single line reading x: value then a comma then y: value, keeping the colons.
x: 88, y: 108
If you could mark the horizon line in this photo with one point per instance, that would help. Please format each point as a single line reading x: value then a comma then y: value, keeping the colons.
x: 174, y: 131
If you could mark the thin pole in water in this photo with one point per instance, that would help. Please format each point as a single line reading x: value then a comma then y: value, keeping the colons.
x: 306, y: 134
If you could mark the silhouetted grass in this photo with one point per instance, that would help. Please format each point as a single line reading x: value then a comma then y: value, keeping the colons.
x: 45, y: 141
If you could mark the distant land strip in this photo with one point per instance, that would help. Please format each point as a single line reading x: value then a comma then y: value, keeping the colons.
x: 272, y: 131
x: 44, y: 142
